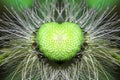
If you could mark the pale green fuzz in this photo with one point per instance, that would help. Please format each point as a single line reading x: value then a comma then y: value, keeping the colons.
x: 59, y: 42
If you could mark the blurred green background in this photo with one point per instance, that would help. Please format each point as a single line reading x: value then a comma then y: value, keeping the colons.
x: 24, y: 4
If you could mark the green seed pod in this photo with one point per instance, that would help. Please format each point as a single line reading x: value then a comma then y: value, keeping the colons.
x: 59, y: 42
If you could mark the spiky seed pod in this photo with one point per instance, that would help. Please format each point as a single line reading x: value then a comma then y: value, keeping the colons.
x: 23, y: 60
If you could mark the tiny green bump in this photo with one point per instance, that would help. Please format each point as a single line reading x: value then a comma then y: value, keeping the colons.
x: 59, y: 42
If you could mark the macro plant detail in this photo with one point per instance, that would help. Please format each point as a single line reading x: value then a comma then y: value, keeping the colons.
x: 59, y: 40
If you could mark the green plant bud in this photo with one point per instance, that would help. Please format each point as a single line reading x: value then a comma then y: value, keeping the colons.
x: 60, y: 42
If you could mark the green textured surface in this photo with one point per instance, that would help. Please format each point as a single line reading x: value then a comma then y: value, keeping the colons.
x: 59, y: 42
x: 97, y: 4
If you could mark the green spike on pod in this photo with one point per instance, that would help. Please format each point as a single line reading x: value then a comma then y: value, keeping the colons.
x: 59, y: 42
